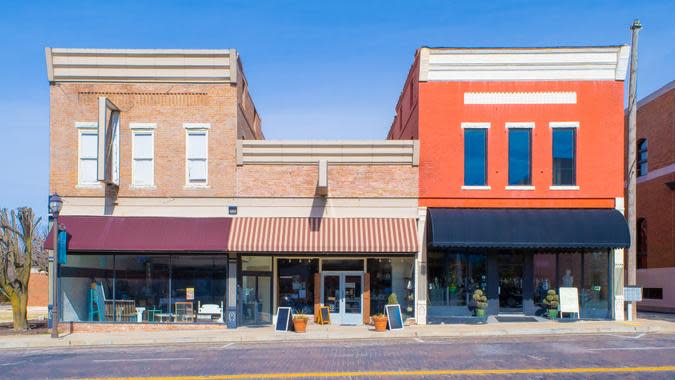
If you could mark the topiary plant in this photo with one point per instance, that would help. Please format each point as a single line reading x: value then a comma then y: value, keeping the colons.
x: 480, y: 300
x: 392, y: 299
x: 552, y: 301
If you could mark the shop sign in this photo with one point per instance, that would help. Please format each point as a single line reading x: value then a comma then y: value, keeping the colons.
x: 569, y: 300
x: 190, y: 294
x: 632, y: 294
x: 394, y: 317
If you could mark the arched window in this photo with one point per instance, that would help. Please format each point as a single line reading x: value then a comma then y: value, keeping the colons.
x: 642, y: 167
x: 642, y: 243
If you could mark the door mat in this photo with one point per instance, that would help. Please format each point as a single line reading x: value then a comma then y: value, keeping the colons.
x: 515, y: 319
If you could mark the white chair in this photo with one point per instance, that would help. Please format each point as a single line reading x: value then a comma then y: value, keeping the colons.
x: 207, y: 311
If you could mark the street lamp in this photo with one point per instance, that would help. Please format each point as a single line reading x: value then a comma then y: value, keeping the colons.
x: 55, y: 205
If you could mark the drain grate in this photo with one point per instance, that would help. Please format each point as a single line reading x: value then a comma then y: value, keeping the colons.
x: 516, y: 319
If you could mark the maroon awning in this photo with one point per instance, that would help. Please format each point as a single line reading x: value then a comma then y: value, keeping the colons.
x: 147, y: 234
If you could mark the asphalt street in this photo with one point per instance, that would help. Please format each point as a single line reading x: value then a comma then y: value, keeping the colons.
x: 541, y: 357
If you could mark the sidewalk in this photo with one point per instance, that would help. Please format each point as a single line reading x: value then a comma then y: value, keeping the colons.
x: 318, y: 333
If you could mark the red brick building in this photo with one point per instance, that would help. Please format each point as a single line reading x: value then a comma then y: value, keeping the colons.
x: 656, y: 198
x: 510, y: 140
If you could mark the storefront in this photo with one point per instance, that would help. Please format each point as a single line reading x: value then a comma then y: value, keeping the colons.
x: 515, y: 256
x: 351, y: 265
x: 144, y: 269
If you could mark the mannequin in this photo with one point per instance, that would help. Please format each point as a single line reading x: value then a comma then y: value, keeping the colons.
x: 568, y: 279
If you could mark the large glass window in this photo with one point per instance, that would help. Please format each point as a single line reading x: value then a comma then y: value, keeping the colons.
x: 296, y: 284
x: 453, y: 277
x: 595, y: 292
x: 564, y: 156
x: 642, y: 166
x: 256, y: 290
x: 392, y: 275
x: 520, y: 157
x: 545, y: 277
x: 144, y: 288
x: 475, y: 157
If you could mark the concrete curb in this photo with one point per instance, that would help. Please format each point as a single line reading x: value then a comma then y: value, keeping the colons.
x: 333, y: 334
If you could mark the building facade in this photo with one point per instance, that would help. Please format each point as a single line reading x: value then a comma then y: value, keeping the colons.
x: 502, y: 172
x: 656, y: 199
x: 177, y: 210
x: 521, y: 172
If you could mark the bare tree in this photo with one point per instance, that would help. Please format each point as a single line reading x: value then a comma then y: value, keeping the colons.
x: 18, y: 230
x: 40, y: 254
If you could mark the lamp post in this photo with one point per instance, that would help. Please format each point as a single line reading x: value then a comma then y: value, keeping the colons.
x: 55, y: 205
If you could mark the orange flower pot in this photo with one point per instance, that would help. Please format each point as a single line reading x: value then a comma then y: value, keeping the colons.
x: 300, y: 325
x: 380, y: 323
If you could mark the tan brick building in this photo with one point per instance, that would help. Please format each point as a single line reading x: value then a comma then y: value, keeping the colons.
x: 656, y: 198
x: 161, y: 160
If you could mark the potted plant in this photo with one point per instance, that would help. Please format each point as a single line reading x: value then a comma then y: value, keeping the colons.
x: 480, y: 302
x: 392, y: 299
x: 552, y: 301
x: 380, y: 322
x: 300, y: 323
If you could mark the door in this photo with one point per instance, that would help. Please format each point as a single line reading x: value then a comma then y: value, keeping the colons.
x: 256, y: 300
x: 342, y: 292
x: 510, y: 269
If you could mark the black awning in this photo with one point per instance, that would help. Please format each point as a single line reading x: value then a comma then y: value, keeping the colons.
x: 527, y: 228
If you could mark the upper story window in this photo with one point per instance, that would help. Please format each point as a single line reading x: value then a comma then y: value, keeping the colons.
x: 143, y: 155
x: 87, y: 169
x: 564, y: 157
x: 475, y: 154
x: 642, y: 167
x: 197, y: 154
x: 520, y: 154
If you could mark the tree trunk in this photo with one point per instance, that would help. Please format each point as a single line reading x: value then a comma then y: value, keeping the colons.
x: 20, y: 311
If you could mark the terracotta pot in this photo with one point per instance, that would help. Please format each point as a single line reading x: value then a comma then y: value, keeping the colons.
x: 380, y: 323
x: 300, y: 325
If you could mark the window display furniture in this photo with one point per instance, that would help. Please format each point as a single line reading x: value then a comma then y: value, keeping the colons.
x: 207, y: 313
x: 184, y: 312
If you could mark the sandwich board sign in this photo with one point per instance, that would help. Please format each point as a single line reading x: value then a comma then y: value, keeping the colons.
x: 394, y: 317
x: 569, y: 301
x: 284, y: 316
x: 324, y: 315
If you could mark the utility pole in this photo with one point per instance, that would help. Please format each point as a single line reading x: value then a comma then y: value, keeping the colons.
x: 632, y: 163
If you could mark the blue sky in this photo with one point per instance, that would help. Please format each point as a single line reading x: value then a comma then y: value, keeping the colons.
x: 317, y: 70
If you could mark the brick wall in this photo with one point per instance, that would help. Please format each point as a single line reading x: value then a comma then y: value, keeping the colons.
x: 655, y: 200
x: 167, y: 105
x: 378, y: 181
x: 38, y: 289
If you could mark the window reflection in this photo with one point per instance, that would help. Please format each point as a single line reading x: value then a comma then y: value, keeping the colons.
x: 475, y: 156
x: 296, y: 284
x: 452, y: 279
x: 520, y: 165
x: 564, y: 160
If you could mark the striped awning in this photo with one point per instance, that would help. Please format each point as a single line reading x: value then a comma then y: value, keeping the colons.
x: 323, y: 235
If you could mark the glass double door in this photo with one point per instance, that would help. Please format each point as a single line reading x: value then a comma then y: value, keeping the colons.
x: 342, y: 292
x: 256, y: 300
x: 510, y: 269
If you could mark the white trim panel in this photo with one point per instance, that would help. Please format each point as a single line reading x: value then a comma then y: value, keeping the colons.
x: 134, y: 126
x: 520, y: 98
x: 564, y: 124
x: 563, y: 188
x: 523, y: 64
x: 520, y: 124
x: 86, y: 125
x: 196, y: 125
x: 475, y: 125
x: 476, y: 187
x: 519, y: 187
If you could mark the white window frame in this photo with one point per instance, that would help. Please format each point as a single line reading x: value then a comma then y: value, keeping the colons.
x: 200, y: 128
x: 477, y: 125
x: 566, y: 124
x: 89, y: 127
x: 136, y: 129
x: 522, y: 125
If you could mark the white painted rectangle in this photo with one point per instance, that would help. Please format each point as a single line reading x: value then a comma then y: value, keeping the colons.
x: 520, y: 98
x: 569, y: 300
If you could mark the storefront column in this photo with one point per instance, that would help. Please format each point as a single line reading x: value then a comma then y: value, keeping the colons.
x: 232, y: 264
x: 421, y: 268
x: 492, y: 284
x: 616, y: 263
x: 528, y: 284
x: 617, y: 272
